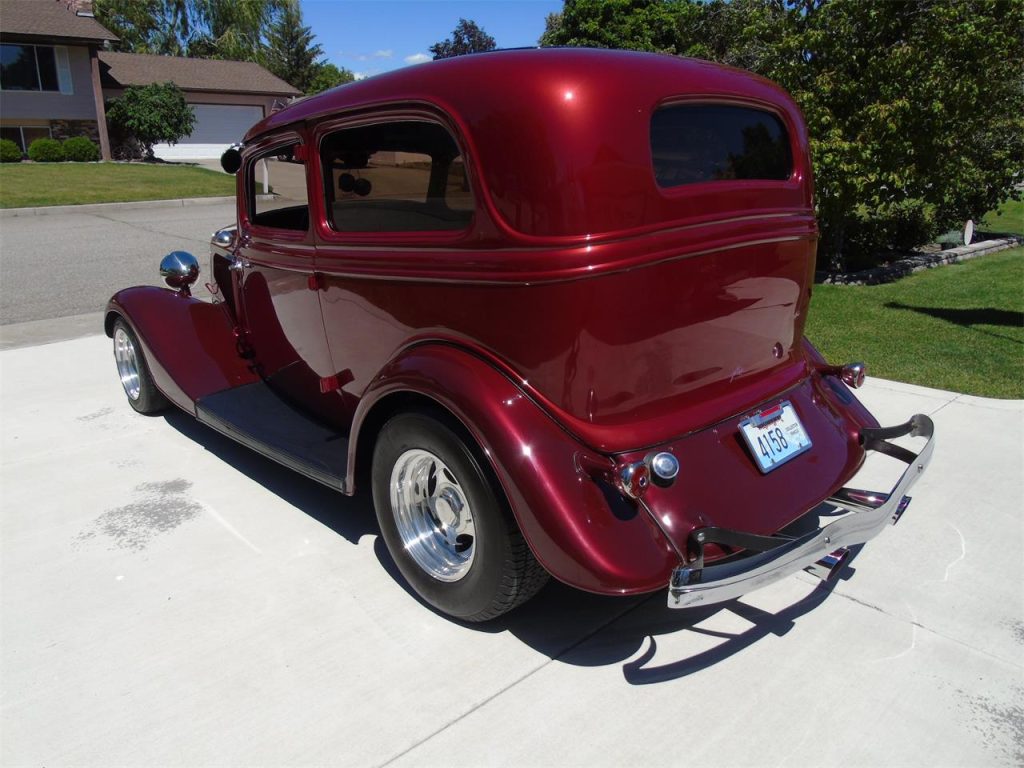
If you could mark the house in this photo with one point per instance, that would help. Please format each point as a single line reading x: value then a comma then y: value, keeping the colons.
x: 49, y: 72
x: 228, y: 97
x: 55, y: 76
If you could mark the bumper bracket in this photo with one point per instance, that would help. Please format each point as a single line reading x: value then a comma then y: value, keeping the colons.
x: 821, y: 552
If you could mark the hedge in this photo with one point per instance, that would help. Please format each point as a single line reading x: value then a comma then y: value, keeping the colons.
x: 46, y: 151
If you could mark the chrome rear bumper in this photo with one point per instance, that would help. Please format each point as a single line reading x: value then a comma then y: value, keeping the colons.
x: 821, y: 552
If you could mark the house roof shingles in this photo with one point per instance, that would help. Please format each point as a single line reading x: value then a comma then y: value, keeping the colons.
x: 122, y: 69
x: 49, y: 19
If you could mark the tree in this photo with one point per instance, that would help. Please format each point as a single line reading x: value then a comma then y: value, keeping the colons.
x: 326, y: 75
x: 152, y: 113
x: 639, y: 25
x: 915, y: 108
x: 210, y: 29
x: 467, y: 37
x: 291, y: 53
x: 232, y: 29
x: 552, y: 30
x: 145, y: 26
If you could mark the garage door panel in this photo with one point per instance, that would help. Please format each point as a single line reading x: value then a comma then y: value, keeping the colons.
x: 221, y: 123
x: 218, y: 126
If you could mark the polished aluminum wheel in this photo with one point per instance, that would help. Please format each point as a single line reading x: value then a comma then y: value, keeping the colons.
x: 432, y: 515
x: 127, y: 363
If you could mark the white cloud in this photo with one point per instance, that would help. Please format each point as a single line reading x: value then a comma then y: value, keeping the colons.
x: 385, y: 54
x: 418, y: 58
x: 360, y: 75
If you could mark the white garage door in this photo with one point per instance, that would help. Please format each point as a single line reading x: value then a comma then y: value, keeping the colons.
x: 218, y: 126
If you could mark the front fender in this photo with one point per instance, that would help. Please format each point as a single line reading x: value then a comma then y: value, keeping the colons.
x: 582, y: 533
x: 190, y: 345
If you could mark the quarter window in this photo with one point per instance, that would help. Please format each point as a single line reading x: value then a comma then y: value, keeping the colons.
x: 694, y: 143
x: 276, y: 185
x: 28, y: 68
x: 406, y: 176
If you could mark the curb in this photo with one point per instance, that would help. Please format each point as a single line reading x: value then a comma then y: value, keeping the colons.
x: 918, y: 262
x: 55, y: 210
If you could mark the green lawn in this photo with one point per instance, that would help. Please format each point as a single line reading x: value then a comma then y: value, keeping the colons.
x: 35, y: 184
x: 958, y: 327
x: 1008, y: 218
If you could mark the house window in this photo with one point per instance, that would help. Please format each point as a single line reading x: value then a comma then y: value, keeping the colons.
x: 406, y: 176
x: 24, y: 135
x: 694, y: 143
x: 34, y: 68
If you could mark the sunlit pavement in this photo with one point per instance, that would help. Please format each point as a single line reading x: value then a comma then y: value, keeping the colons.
x: 169, y: 598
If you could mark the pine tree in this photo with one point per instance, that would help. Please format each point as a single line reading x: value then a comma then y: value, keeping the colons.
x: 291, y: 53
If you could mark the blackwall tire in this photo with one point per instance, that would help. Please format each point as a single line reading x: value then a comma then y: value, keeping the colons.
x: 446, y: 523
x: 134, y: 373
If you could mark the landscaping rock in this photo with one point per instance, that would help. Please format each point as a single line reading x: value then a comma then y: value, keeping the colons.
x: 919, y: 260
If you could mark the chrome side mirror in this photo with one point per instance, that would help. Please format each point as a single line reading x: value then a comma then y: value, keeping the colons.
x: 179, y: 270
x: 225, y: 238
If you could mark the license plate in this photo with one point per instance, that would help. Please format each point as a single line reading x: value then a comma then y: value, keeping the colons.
x: 775, y: 435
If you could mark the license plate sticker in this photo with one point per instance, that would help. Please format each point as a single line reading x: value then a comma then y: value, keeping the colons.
x: 774, y: 436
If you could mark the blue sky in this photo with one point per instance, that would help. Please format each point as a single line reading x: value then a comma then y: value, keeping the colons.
x: 372, y: 36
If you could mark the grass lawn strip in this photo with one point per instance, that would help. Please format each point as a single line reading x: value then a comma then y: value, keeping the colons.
x: 959, y: 327
x: 1008, y: 218
x: 27, y: 185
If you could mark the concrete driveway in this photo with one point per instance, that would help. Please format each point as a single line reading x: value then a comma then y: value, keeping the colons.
x: 169, y: 598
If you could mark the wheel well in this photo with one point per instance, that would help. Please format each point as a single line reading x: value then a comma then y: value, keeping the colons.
x: 392, y: 405
x: 108, y: 323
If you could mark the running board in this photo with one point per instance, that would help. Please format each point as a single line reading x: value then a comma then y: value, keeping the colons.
x: 255, y: 416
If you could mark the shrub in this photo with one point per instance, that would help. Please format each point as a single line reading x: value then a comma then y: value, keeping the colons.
x: 46, y: 151
x: 152, y: 113
x: 9, y: 152
x: 80, y: 149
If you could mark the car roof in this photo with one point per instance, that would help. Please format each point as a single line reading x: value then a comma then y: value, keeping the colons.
x: 553, y: 130
x: 463, y: 81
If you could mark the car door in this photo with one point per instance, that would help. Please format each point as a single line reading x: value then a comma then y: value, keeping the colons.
x: 393, y: 198
x: 275, y: 278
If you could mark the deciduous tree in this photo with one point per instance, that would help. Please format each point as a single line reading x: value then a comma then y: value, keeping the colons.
x: 152, y: 113
x: 467, y: 37
x: 915, y: 108
x: 327, y: 75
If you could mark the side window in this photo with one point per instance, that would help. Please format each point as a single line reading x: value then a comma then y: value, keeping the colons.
x: 276, y: 187
x: 406, y: 176
x: 694, y: 143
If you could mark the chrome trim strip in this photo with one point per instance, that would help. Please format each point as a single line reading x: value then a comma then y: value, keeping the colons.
x: 870, y: 512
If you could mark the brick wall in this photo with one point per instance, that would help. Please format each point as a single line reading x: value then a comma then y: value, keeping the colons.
x: 65, y: 129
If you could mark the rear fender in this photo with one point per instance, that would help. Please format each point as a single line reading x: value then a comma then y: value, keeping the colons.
x: 190, y: 345
x: 582, y: 532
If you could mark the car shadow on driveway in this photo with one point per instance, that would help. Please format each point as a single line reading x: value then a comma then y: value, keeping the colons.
x: 587, y: 630
x: 564, y: 624
x: 629, y: 628
x: 349, y: 516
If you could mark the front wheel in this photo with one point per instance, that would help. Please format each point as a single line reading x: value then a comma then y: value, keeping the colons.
x: 136, y: 379
x: 446, y: 523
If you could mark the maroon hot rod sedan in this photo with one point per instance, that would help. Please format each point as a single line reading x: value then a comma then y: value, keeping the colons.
x: 549, y: 306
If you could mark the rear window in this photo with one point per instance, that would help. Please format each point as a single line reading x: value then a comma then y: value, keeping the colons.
x: 695, y: 143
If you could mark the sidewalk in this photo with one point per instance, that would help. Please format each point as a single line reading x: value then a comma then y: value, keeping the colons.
x: 171, y: 598
x: 101, y: 208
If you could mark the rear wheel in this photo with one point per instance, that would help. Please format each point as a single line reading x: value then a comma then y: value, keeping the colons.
x: 136, y: 379
x: 446, y: 523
